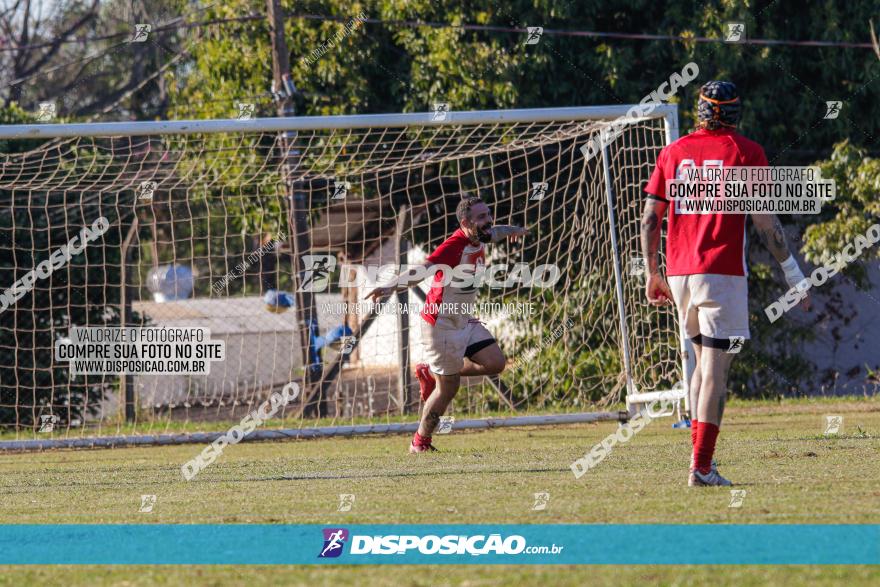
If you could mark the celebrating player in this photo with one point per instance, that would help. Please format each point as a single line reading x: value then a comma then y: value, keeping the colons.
x: 705, y: 264
x: 455, y: 343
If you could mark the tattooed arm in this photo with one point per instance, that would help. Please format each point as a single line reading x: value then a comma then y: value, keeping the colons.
x: 503, y: 231
x: 770, y: 230
x: 652, y: 217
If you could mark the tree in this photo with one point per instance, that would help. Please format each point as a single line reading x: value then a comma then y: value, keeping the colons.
x: 80, y: 55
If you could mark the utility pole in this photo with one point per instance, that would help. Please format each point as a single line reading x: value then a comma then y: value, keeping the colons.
x: 874, y: 40
x: 297, y: 209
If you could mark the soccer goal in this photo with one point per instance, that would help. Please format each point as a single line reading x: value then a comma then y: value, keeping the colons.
x: 261, y: 237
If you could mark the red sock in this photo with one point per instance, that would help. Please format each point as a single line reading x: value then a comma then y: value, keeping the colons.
x: 707, y: 433
x: 419, y: 440
x: 694, y: 426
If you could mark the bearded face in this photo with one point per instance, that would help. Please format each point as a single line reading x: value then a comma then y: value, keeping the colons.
x: 480, y: 225
x: 484, y: 233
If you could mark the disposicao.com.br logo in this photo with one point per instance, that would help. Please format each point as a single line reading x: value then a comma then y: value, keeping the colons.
x: 431, y: 544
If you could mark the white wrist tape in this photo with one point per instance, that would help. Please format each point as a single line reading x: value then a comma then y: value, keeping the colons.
x: 793, y: 274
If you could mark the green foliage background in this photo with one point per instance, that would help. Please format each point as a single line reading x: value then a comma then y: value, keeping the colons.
x: 395, y: 67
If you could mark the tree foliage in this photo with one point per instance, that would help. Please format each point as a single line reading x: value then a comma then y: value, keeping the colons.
x: 395, y: 67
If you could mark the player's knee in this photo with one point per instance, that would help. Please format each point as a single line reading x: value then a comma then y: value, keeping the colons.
x: 496, y: 365
x: 714, y: 372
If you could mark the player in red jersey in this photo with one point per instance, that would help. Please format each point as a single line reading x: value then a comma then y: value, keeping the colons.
x: 705, y: 264
x: 455, y: 343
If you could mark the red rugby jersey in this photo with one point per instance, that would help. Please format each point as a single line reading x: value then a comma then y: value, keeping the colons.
x: 704, y: 243
x: 454, y: 251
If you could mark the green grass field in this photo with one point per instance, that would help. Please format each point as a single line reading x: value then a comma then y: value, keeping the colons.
x: 791, y: 472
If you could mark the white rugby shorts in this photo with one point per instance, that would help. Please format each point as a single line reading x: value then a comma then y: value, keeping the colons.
x: 712, y: 308
x: 446, y: 344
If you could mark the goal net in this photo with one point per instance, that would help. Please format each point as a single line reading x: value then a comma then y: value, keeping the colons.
x: 238, y: 253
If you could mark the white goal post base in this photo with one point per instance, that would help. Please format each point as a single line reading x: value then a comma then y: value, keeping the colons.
x: 306, y: 433
x: 636, y: 401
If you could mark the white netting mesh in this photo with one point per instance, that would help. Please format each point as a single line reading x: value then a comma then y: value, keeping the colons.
x: 200, y: 234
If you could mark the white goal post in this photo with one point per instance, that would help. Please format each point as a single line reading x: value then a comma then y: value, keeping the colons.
x: 212, y: 224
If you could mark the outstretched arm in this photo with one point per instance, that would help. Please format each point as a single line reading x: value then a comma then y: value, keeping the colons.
x: 503, y: 231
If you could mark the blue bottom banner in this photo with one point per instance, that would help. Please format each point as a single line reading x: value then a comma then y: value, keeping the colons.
x: 628, y: 544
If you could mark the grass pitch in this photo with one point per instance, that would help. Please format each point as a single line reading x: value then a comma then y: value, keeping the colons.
x: 777, y: 452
